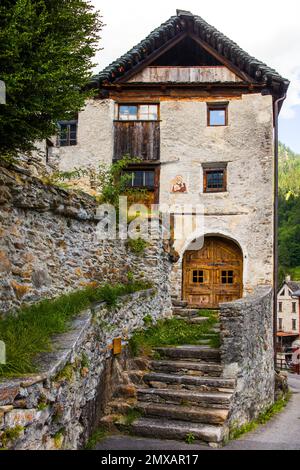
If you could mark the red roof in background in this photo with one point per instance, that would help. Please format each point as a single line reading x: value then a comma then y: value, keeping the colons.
x: 283, y: 334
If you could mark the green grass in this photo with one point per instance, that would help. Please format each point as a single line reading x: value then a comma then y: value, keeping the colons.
x: 28, y: 332
x: 263, y: 418
x: 96, y: 437
x: 172, y: 332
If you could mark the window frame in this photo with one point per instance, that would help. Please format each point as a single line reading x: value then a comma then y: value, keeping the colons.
x: 294, y: 324
x: 294, y: 307
x: 196, y: 275
x: 227, y: 276
x: 280, y: 324
x: 69, y: 123
x: 138, y: 105
x: 144, y: 170
x: 221, y: 106
x: 148, y: 167
x: 279, y: 307
x: 210, y: 168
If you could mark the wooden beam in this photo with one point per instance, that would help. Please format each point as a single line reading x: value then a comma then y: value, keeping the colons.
x: 157, y: 53
x: 221, y: 58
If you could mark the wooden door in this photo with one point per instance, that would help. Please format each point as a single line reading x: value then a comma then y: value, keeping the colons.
x: 213, y: 274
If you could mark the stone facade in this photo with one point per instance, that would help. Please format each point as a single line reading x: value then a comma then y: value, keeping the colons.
x: 61, y: 406
x: 288, y: 308
x: 247, y: 353
x: 49, y: 245
x: 241, y: 213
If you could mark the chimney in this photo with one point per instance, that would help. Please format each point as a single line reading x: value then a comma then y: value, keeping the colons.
x: 184, y: 13
x: 287, y: 278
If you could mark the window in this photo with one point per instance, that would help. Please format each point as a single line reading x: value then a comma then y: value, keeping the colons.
x: 227, y: 277
x: 280, y: 307
x: 141, y: 179
x: 67, y: 134
x: 280, y: 323
x: 294, y: 307
x: 217, y: 114
x: 215, y: 178
x: 138, y: 112
x: 294, y: 324
x: 198, y: 276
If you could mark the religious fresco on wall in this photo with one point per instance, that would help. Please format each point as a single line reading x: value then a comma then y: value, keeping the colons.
x: 178, y: 185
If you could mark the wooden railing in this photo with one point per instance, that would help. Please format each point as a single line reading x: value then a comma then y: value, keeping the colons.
x: 137, y: 139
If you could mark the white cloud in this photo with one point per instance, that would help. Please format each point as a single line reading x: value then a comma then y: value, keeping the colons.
x: 268, y: 30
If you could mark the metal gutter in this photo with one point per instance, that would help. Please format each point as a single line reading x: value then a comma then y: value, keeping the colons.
x: 275, y: 222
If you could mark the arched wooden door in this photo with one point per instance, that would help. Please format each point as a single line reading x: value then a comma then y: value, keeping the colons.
x: 213, y: 274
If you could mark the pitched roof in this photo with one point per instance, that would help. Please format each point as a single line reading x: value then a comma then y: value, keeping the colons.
x: 293, y: 285
x: 185, y: 21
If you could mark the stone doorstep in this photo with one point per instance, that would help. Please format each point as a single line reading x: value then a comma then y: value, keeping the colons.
x: 196, y: 398
x: 185, y: 312
x: 190, y: 352
x: 178, y: 430
x: 183, y: 413
x: 210, y: 382
x: 179, y: 303
x: 184, y: 367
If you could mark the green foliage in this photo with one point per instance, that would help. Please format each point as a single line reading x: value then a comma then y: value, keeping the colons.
x: 137, y: 246
x: 289, y: 213
x: 148, y: 320
x: 263, y: 418
x: 28, y: 332
x: 112, y: 181
x: 190, y: 438
x: 10, y: 435
x: 173, y: 332
x: 97, y: 436
x: 66, y: 374
x: 46, y: 56
x: 85, y: 360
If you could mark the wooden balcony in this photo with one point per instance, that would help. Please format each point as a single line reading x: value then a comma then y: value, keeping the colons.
x: 137, y: 139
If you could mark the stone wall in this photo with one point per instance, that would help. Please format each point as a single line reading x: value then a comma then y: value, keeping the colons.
x: 61, y: 406
x: 247, y: 353
x: 48, y: 244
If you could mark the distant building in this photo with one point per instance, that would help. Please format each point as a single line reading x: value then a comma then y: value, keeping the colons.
x: 288, y: 314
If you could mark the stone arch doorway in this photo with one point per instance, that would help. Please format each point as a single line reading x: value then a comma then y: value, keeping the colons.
x: 213, y: 274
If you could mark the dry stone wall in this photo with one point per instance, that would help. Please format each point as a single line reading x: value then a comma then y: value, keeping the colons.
x: 61, y: 406
x: 247, y: 353
x: 48, y: 244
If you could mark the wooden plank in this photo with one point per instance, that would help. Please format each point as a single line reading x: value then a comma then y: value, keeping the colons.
x: 137, y: 139
x: 197, y: 74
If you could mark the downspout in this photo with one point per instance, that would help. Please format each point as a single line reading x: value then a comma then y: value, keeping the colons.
x: 275, y: 222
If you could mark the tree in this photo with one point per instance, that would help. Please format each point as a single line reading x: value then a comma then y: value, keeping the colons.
x: 46, y: 51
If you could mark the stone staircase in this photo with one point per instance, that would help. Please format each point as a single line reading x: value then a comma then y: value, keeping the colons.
x: 180, y: 393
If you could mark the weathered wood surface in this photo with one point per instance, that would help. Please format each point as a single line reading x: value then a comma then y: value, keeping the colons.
x: 137, y: 139
x: 201, y: 74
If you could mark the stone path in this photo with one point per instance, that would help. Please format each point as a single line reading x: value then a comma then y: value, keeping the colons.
x: 280, y: 433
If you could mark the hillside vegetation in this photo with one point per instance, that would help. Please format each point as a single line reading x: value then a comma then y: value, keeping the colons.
x: 289, y: 213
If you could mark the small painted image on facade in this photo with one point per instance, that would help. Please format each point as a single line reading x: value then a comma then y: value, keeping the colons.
x: 178, y: 185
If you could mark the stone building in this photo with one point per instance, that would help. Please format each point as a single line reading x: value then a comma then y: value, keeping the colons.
x: 199, y: 112
x: 288, y: 313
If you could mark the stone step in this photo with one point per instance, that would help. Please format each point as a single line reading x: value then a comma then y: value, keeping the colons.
x: 168, y: 429
x: 155, y: 379
x: 191, y: 368
x: 204, y: 353
x: 183, y: 413
x: 179, y: 303
x: 195, y: 320
x: 185, y: 397
x: 185, y: 312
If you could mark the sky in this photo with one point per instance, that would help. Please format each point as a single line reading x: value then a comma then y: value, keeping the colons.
x: 268, y: 30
